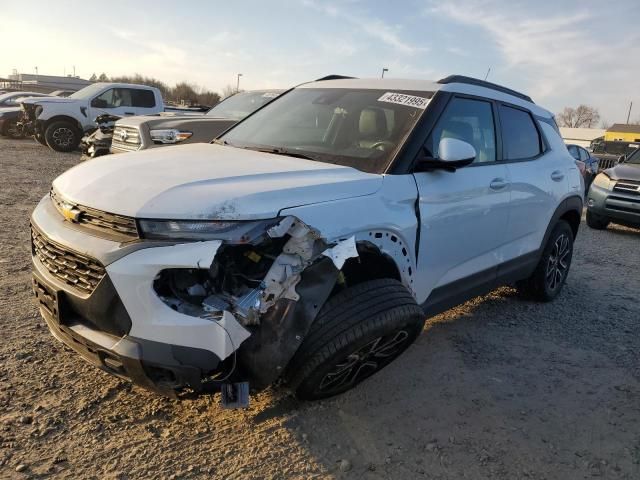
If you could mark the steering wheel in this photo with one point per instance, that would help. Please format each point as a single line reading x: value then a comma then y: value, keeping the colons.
x: 382, y: 145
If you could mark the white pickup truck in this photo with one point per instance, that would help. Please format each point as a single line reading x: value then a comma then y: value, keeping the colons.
x: 61, y: 122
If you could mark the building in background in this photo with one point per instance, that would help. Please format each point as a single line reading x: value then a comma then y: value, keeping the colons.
x: 622, y: 132
x: 46, y: 83
x: 581, y: 136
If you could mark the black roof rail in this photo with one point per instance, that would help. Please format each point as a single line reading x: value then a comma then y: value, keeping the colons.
x: 482, y: 83
x: 333, y: 77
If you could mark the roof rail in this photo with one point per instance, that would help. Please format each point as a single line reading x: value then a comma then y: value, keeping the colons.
x: 333, y: 77
x: 485, y: 84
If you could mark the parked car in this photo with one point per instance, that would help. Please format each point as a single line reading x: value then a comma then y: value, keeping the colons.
x: 60, y: 122
x: 614, y: 196
x: 589, y: 161
x: 62, y: 93
x: 13, y: 99
x: 309, y: 242
x: 609, y: 153
x: 150, y: 131
x: 10, y: 115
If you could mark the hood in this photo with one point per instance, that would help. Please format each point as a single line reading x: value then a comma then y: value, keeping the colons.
x: 173, y: 121
x: 624, y: 171
x: 35, y: 100
x: 206, y: 181
x: 9, y: 109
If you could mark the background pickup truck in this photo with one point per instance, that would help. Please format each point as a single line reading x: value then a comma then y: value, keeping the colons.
x: 138, y: 133
x: 61, y: 122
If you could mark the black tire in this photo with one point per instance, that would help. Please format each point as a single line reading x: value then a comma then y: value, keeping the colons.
x: 597, y: 222
x: 361, y: 330
x: 11, y: 130
x: 551, y: 273
x: 62, y: 136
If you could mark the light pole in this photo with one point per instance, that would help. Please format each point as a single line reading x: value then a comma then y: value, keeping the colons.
x: 384, y: 70
x: 238, y: 83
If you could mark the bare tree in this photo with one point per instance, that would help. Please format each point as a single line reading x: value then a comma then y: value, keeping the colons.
x: 605, y: 124
x: 230, y: 90
x: 582, y: 117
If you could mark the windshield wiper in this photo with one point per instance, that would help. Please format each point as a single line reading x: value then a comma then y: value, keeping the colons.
x: 288, y: 153
x: 220, y: 141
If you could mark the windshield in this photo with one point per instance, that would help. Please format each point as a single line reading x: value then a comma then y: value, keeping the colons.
x: 242, y: 104
x: 634, y: 158
x: 88, y: 92
x: 357, y: 128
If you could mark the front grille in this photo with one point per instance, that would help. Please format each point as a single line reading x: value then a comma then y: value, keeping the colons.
x: 631, y: 187
x: 126, y: 138
x: 74, y: 269
x: 109, y: 223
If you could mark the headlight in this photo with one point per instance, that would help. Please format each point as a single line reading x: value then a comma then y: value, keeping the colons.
x: 171, y: 135
x: 603, y: 181
x: 233, y: 230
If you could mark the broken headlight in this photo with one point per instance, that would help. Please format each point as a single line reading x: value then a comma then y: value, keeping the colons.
x: 234, y: 231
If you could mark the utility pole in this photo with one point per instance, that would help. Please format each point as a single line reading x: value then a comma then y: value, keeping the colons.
x: 384, y: 70
x: 487, y: 75
x: 238, y: 83
x: 629, y: 114
x: 74, y: 70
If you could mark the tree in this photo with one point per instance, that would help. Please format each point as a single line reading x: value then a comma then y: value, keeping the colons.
x: 582, y: 117
x: 103, y: 77
x: 229, y: 90
x: 93, y: 78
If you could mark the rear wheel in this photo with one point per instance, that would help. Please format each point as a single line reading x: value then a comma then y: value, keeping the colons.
x: 597, y: 222
x: 62, y: 136
x: 551, y: 273
x: 357, y: 333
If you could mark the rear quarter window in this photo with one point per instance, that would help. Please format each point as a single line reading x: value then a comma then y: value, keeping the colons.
x: 143, y: 98
x: 520, y: 136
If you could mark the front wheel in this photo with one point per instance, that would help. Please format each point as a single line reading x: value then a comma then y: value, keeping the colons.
x: 62, y: 136
x: 357, y: 333
x: 597, y: 222
x: 551, y: 273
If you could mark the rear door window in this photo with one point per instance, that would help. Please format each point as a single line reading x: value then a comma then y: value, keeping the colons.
x: 142, y: 98
x: 520, y: 136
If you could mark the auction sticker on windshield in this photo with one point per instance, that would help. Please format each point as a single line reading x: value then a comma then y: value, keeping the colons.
x: 403, y: 99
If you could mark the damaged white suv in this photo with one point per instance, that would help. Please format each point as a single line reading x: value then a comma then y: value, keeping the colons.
x: 308, y: 244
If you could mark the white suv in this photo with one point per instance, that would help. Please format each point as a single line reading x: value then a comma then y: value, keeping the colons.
x: 308, y: 243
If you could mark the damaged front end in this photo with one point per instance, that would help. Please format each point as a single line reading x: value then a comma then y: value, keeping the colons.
x: 272, y: 277
x: 97, y: 142
x: 28, y: 119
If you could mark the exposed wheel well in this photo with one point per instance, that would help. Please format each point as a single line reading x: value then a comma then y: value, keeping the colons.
x: 572, y: 217
x: 61, y: 118
x: 370, y: 264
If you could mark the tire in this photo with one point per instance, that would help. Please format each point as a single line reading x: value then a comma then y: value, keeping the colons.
x: 62, y: 136
x: 358, y: 332
x: 11, y: 130
x: 551, y: 273
x: 597, y: 222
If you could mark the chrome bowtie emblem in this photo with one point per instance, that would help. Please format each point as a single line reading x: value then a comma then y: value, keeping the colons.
x: 123, y: 135
x: 70, y: 212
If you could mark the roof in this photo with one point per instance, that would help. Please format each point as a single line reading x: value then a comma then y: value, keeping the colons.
x: 391, y: 84
x: 624, y: 128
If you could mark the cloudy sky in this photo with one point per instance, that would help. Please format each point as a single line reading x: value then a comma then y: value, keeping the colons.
x: 561, y: 52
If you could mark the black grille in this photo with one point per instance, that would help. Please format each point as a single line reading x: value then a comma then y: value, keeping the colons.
x: 105, y: 222
x: 630, y: 187
x: 76, y: 270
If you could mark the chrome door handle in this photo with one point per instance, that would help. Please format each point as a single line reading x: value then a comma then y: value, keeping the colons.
x: 498, y: 184
x: 557, y: 175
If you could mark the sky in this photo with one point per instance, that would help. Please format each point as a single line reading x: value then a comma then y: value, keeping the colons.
x: 561, y: 53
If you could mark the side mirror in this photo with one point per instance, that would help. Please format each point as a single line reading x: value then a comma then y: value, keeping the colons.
x: 452, y: 154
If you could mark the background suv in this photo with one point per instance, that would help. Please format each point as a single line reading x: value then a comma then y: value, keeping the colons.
x: 310, y: 241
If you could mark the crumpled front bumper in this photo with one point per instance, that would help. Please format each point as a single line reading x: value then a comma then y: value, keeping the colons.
x: 161, y: 349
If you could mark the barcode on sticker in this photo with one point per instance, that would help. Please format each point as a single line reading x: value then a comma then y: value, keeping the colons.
x: 402, y: 99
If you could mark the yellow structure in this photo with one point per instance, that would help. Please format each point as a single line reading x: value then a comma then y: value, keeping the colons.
x: 622, y: 132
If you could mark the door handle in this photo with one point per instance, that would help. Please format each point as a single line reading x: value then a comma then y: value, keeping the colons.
x: 129, y: 113
x: 498, y: 184
x: 557, y: 176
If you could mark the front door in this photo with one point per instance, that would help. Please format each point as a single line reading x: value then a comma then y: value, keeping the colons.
x: 463, y: 214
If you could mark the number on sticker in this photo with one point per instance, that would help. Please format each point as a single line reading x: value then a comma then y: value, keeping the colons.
x: 403, y: 99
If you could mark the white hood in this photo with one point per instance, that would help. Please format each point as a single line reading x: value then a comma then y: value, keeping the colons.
x: 205, y: 181
x: 32, y: 100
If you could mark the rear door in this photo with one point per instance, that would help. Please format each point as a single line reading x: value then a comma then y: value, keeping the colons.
x: 463, y: 214
x: 538, y: 168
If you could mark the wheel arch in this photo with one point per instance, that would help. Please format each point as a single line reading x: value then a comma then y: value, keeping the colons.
x: 62, y: 118
x: 569, y: 210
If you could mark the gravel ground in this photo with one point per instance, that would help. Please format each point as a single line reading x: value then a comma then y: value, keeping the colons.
x: 497, y: 388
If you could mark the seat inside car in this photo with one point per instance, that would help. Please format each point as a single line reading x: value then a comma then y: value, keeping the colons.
x: 372, y: 127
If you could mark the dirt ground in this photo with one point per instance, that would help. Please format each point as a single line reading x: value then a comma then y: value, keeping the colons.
x: 498, y: 388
